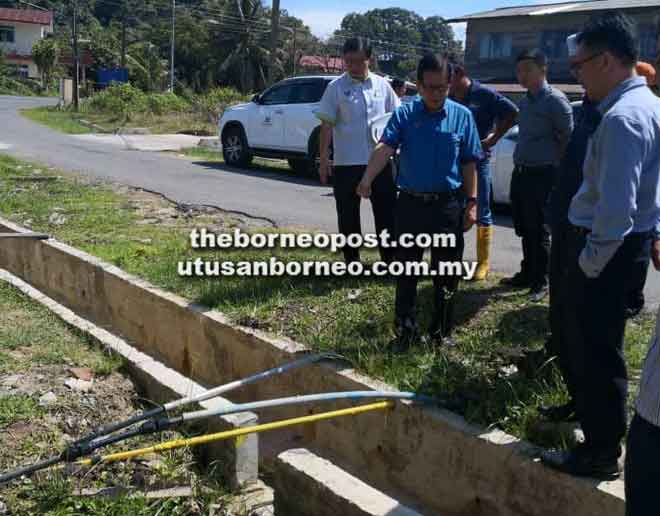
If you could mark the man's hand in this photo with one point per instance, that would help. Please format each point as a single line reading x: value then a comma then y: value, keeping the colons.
x: 470, y: 218
x: 655, y: 254
x: 364, y: 189
x: 489, y: 142
x: 325, y: 171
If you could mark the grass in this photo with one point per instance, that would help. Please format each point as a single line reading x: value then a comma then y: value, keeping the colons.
x: 496, y: 327
x: 213, y: 156
x: 37, y: 340
x: 69, y: 122
x: 62, y: 121
x: 32, y: 336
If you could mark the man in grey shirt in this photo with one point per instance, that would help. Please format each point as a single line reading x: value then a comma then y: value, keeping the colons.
x: 614, y: 215
x: 546, y: 123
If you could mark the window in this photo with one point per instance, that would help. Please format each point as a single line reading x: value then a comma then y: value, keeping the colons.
x: 553, y: 43
x: 307, y: 92
x: 7, y: 34
x: 647, y: 43
x: 495, y: 45
x: 278, y: 94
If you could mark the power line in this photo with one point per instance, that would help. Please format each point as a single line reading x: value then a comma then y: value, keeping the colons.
x: 397, y: 42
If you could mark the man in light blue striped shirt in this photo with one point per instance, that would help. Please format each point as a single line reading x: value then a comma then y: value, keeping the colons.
x: 613, y: 219
x: 643, y: 450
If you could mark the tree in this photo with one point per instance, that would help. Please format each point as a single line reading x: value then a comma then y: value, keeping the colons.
x: 218, y: 42
x: 438, y: 34
x: 249, y: 55
x: 399, y: 36
x: 45, y: 54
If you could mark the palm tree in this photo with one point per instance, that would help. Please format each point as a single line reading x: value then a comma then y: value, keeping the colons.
x: 248, y: 39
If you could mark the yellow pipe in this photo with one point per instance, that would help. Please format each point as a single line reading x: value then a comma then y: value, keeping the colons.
x: 204, y: 439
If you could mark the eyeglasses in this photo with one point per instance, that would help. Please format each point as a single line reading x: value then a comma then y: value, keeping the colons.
x: 436, y: 88
x: 356, y: 61
x: 576, y: 67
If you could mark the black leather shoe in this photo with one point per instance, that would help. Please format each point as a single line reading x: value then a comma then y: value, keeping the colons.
x: 439, y: 337
x: 518, y: 280
x: 559, y: 413
x: 407, y: 333
x: 584, y: 461
x: 538, y: 293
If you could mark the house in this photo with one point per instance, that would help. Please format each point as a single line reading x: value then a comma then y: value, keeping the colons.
x: 20, y: 29
x: 494, y: 38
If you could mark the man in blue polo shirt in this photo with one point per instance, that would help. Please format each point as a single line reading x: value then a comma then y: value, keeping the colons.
x: 494, y: 115
x: 437, y: 181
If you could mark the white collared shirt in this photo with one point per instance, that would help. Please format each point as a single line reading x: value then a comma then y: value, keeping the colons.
x: 350, y: 106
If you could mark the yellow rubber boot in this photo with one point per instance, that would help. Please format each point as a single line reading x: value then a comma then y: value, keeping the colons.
x: 484, y: 238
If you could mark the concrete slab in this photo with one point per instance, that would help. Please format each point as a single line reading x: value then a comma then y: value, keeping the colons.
x: 151, y: 142
x: 424, y: 454
x: 239, y: 459
x: 307, y: 485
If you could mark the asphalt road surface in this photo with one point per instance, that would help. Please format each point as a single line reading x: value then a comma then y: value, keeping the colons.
x: 278, y: 198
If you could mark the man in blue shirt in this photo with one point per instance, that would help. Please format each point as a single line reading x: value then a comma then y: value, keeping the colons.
x: 440, y: 147
x: 494, y: 115
x: 613, y: 217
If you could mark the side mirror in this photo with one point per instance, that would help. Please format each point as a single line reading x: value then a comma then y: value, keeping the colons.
x: 256, y: 99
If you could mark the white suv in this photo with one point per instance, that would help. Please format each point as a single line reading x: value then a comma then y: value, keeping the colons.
x: 280, y: 123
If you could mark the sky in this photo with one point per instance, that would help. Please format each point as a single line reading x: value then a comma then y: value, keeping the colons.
x: 324, y: 17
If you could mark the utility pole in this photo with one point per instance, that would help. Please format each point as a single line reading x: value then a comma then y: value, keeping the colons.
x: 295, y: 49
x: 274, y: 33
x: 76, y: 56
x: 172, y: 46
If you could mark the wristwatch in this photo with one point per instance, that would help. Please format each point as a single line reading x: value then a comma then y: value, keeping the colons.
x: 471, y: 200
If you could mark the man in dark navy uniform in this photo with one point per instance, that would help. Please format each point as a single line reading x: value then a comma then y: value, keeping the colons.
x: 494, y: 115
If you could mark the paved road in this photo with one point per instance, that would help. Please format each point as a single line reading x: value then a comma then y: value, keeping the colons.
x: 280, y: 198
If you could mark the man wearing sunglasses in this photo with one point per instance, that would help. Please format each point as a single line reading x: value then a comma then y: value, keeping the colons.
x: 613, y: 218
x: 437, y: 180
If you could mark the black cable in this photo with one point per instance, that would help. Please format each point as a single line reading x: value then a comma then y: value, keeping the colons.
x: 96, y: 439
x: 113, y: 427
x: 29, y: 470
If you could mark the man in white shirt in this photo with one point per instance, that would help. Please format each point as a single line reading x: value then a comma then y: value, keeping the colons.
x: 348, y: 107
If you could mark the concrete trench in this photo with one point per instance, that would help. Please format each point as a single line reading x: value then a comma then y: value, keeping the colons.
x: 426, y: 458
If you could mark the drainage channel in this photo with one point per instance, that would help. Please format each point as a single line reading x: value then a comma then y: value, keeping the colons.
x: 422, y: 457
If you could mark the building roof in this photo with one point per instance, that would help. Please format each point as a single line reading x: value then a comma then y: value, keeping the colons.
x: 327, y: 64
x: 33, y: 16
x: 561, y: 8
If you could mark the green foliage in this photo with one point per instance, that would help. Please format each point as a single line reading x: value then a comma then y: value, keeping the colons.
x: 400, y: 36
x: 126, y: 99
x: 213, y: 103
x: 146, y: 67
x: 163, y: 103
x: 121, y: 99
x: 45, y: 53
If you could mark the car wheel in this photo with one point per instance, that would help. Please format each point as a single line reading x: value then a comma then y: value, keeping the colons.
x: 314, y: 157
x: 235, y: 148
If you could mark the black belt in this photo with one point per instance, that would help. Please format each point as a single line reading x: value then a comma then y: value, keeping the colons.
x: 430, y: 196
x: 535, y: 169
